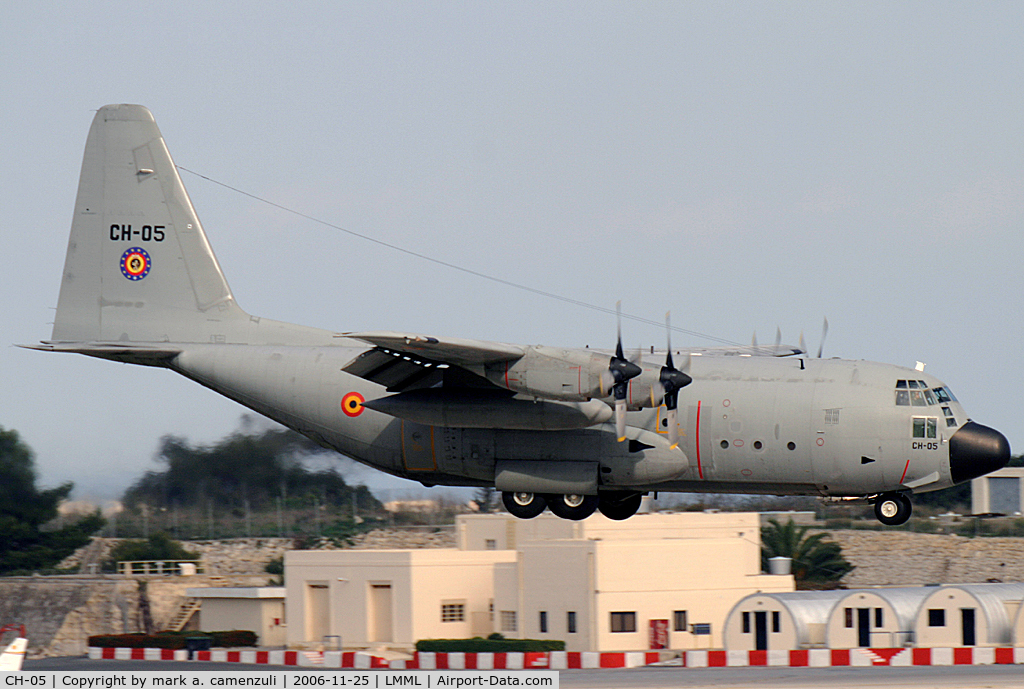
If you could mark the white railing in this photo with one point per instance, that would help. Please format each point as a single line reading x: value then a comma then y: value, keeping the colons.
x: 158, y: 568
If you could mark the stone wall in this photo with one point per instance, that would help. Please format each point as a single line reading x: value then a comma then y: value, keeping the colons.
x: 900, y: 558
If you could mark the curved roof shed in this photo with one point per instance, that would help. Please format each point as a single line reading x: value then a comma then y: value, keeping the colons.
x: 968, y: 615
x: 876, y: 618
x: 763, y: 621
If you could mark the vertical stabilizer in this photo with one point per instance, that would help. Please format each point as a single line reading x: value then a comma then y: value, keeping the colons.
x: 139, y: 267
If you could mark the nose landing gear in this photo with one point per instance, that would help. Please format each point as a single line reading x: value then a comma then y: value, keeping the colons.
x: 893, y: 509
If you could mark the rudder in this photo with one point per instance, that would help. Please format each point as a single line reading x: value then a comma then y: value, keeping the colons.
x: 139, y: 267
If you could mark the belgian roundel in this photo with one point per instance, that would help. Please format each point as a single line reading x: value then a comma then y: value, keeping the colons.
x: 135, y: 263
x: 352, y: 404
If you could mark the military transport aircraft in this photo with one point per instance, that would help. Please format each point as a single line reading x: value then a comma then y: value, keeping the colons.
x: 572, y: 430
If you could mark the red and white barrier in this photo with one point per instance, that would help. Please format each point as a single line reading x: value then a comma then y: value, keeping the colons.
x: 570, y: 660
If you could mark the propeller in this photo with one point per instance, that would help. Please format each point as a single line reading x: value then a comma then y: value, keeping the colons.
x: 620, y: 372
x: 824, y: 332
x: 670, y: 382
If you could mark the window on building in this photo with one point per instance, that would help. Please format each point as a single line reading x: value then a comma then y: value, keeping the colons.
x: 490, y: 544
x: 623, y: 621
x: 776, y: 621
x: 508, y: 621
x: 453, y: 612
x: 490, y: 610
x: 879, y: 619
x: 848, y: 617
x: 570, y: 622
x: 679, y: 621
x: 543, y: 622
x: 936, y: 618
x: 746, y: 623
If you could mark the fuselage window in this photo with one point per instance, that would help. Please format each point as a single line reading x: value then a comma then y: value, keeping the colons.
x: 915, y: 393
x: 925, y: 427
x: 944, y: 395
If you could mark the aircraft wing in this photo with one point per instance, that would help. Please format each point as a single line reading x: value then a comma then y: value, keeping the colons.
x: 749, y: 350
x: 401, y: 361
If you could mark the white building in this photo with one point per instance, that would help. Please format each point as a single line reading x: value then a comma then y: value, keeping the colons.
x: 597, y: 584
x: 259, y: 609
x: 389, y: 598
x: 1001, y: 492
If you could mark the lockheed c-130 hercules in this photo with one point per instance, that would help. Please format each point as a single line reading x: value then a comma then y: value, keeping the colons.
x: 572, y: 430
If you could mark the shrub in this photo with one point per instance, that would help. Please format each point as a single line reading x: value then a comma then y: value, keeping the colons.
x: 172, y: 640
x: 478, y: 645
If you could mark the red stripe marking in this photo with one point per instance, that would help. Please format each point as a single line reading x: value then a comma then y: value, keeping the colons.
x: 963, y: 656
x: 500, y: 661
x: 262, y: 657
x: 378, y: 663
x: 138, y: 654
x: 609, y: 660
x: 234, y: 656
x: 840, y: 657
x: 203, y: 655
x: 166, y: 654
x: 574, y: 660
x: 922, y: 656
x: 651, y: 658
x: 758, y: 658
x: 905, y: 471
x: 717, y: 659
x: 108, y: 653
x: 696, y: 438
x: 799, y: 658
x: 1004, y: 656
x: 290, y: 657
x: 471, y: 661
x: 441, y: 661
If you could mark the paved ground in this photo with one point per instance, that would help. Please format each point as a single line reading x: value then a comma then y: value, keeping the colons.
x: 960, y: 677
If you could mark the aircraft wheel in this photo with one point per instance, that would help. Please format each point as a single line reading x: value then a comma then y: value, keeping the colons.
x: 618, y: 506
x: 573, y: 507
x: 523, y: 505
x: 893, y: 509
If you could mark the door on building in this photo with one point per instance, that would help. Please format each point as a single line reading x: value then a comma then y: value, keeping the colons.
x: 863, y: 627
x: 318, y: 611
x: 1004, y: 494
x: 967, y: 623
x: 380, y: 613
x: 761, y: 630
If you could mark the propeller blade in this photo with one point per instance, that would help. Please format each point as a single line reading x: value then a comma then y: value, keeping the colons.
x: 618, y: 323
x: 824, y: 332
x: 778, y: 336
x: 753, y: 341
x: 657, y: 393
x: 673, y: 427
x: 620, y: 419
x: 803, y: 345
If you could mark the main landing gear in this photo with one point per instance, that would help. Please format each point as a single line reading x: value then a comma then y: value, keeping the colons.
x: 893, y: 509
x: 612, y: 505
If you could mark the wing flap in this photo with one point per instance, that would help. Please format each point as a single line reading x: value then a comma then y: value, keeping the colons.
x: 450, y: 350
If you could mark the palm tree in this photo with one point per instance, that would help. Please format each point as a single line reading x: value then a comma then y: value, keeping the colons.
x: 817, y: 561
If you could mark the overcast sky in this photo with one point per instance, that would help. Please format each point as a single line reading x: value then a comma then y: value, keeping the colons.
x: 744, y: 164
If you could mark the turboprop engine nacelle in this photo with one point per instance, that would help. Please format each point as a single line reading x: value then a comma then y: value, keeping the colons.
x: 553, y: 373
x: 572, y: 375
x: 644, y: 390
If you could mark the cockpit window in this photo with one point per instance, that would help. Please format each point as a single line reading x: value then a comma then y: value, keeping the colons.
x: 915, y: 393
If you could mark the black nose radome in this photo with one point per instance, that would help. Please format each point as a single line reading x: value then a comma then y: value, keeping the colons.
x: 976, y: 450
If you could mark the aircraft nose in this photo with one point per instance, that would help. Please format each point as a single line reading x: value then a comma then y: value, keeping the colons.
x: 976, y: 450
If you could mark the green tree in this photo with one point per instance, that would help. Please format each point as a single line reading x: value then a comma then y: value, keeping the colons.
x: 157, y: 547
x: 251, y: 470
x: 25, y: 544
x: 817, y: 561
